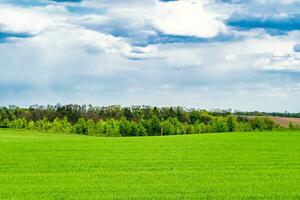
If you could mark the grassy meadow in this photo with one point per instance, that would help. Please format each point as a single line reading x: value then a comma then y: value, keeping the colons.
x: 263, y: 165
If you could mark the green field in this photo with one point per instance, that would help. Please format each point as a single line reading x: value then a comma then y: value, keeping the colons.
x: 208, y: 166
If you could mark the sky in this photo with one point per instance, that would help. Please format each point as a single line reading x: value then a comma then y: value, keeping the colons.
x: 207, y: 54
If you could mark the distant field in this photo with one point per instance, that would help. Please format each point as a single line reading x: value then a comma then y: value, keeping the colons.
x: 284, y: 121
x: 209, y: 166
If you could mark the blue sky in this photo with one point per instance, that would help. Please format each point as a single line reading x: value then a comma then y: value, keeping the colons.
x: 237, y: 54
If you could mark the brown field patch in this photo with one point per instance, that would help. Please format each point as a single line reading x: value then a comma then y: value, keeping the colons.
x: 283, y: 121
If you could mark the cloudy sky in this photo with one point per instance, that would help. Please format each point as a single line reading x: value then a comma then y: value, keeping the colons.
x: 239, y: 54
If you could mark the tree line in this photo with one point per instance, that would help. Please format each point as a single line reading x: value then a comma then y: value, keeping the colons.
x: 274, y: 114
x: 128, y: 121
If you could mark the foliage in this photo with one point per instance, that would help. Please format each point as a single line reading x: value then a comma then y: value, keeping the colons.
x: 262, y: 123
x: 129, y: 121
x: 293, y: 126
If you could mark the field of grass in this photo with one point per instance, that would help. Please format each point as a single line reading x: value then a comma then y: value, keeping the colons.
x: 209, y: 166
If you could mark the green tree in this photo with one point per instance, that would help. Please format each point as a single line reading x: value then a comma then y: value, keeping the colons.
x: 43, y: 125
x: 100, y: 128
x: 66, y: 125
x: 90, y: 127
x: 177, y: 127
x: 112, y: 128
x: 18, y: 123
x: 218, y: 124
x: 31, y: 125
x: 167, y: 128
x: 231, y: 123
x: 125, y: 127
x: 200, y: 127
x: 81, y: 127
x: 56, y: 125
x: 138, y: 129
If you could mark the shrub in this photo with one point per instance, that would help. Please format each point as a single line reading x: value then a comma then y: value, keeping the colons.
x: 218, y: 124
x: 243, y: 127
x: 262, y: 124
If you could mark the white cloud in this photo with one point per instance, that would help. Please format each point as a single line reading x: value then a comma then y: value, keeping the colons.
x: 183, y: 17
x: 32, y: 21
x: 72, y: 57
x: 53, y: 23
x: 186, y: 17
x: 230, y: 57
x: 287, y: 62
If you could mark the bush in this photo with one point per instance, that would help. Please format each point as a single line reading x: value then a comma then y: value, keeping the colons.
x: 43, y: 125
x: 31, y: 125
x: 262, y: 124
x: 293, y: 126
x: 218, y: 124
x: 243, y: 127
x: 18, y: 123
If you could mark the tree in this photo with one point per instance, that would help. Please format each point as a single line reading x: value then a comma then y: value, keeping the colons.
x: 99, y: 128
x: 112, y: 128
x: 125, y: 127
x: 200, y: 127
x: 43, y: 125
x: 31, y: 125
x: 177, y: 127
x: 81, y: 127
x: 66, y: 125
x: 152, y: 126
x: 167, y: 128
x: 231, y: 123
x: 218, y: 124
x: 188, y: 129
x: 132, y: 121
x: 57, y: 125
x: 90, y: 127
x: 18, y: 123
x: 138, y: 129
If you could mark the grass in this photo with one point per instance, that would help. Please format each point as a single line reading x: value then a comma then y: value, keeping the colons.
x: 209, y: 166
